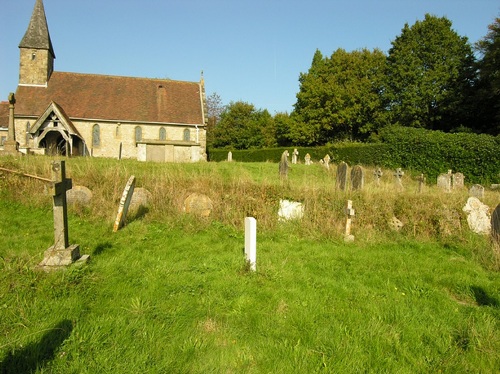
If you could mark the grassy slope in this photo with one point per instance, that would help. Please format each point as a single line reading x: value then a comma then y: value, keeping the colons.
x: 158, y: 298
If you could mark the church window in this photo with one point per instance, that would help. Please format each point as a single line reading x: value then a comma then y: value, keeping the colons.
x: 187, y: 135
x: 96, y: 136
x: 163, y: 133
x: 138, y: 134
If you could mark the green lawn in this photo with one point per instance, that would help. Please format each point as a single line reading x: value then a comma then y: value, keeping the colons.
x: 170, y: 298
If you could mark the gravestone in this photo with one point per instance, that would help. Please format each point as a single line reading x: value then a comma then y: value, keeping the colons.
x: 395, y: 224
x: 307, y: 159
x: 342, y: 176
x: 141, y: 200
x: 295, y: 155
x: 79, y: 195
x: 251, y: 242
x: 198, y: 204
x: 229, y: 156
x: 357, y: 178
x: 378, y: 174
x: 349, y: 211
x: 398, y: 175
x: 283, y: 165
x: 290, y: 210
x: 478, y: 216
x: 444, y: 181
x: 326, y: 160
x: 124, y: 204
x: 476, y: 190
x: 421, y: 183
x: 448, y: 221
x: 495, y: 228
x: 61, y: 253
x: 457, y: 181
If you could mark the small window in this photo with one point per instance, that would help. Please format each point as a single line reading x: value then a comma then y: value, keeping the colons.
x: 96, y: 136
x: 187, y: 135
x: 163, y: 134
x: 138, y: 134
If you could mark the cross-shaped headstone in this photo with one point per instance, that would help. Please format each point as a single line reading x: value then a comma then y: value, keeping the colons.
x: 378, y: 174
x: 350, y: 213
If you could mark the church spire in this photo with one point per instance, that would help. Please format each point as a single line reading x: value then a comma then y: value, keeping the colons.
x: 37, y: 36
x: 37, y: 53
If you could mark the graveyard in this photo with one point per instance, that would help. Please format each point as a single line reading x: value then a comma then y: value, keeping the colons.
x: 379, y: 271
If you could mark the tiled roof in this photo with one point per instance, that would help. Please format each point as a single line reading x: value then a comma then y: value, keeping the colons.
x: 4, y: 114
x: 37, y: 35
x: 121, y: 99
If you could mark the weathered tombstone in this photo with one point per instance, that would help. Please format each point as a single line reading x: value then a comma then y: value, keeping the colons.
x: 283, y: 165
x: 79, y: 195
x: 295, y: 155
x: 229, y: 156
x: 350, y: 213
x: 495, y: 228
x: 342, y: 176
x: 251, y: 242
x: 290, y: 210
x: 326, y: 160
x: 61, y: 253
x: 357, y: 178
x: 378, y: 174
x: 478, y: 216
x: 124, y: 204
x: 307, y: 159
x: 457, y: 181
x: 198, y: 204
x: 398, y: 174
x: 395, y: 224
x: 421, y: 183
x: 444, y: 181
x: 140, y: 200
x: 448, y: 220
x: 476, y: 190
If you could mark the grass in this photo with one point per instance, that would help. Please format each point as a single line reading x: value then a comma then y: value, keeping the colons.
x: 172, y: 294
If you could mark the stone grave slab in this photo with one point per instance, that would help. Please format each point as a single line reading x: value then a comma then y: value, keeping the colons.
x: 476, y: 190
x: 124, y: 204
x: 357, y: 178
x: 198, y: 204
x: 478, y: 216
x: 342, y: 176
x: 79, y: 195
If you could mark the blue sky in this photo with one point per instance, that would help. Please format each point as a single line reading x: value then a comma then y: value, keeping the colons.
x: 249, y: 50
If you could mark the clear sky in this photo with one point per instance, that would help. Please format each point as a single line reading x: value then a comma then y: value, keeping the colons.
x: 249, y: 50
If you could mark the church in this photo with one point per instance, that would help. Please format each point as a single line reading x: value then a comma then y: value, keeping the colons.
x: 76, y: 114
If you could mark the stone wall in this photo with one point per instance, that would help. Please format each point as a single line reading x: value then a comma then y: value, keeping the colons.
x: 35, y: 66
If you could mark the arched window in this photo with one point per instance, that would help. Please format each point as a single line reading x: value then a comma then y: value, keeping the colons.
x: 187, y: 135
x: 163, y: 133
x: 138, y: 134
x: 96, y: 136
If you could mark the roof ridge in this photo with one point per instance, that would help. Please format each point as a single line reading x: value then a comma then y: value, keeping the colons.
x: 126, y: 77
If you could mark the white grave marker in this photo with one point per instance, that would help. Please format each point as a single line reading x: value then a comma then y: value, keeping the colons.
x: 251, y: 242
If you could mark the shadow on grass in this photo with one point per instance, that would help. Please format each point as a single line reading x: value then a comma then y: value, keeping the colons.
x: 37, y: 354
x: 482, y: 297
x: 100, y: 248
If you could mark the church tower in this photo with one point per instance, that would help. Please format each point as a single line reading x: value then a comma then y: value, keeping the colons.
x: 36, y: 52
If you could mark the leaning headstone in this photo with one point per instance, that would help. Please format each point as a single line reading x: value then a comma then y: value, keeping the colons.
x: 349, y: 211
x: 342, y: 176
x: 457, y: 181
x: 198, y: 204
x: 128, y: 191
x: 357, y: 178
x: 229, y: 156
x: 398, y: 174
x: 79, y: 195
x: 326, y: 160
x: 283, y: 165
x: 61, y: 253
x: 476, y: 190
x: 378, y: 174
x: 251, y: 242
x: 290, y: 210
x: 307, y: 159
x: 295, y: 155
x: 444, y: 181
x: 495, y: 228
x: 478, y: 216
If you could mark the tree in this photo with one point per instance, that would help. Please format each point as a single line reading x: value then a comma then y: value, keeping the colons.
x: 429, y: 73
x: 241, y: 126
x: 487, y: 95
x: 340, y: 97
x: 215, y: 108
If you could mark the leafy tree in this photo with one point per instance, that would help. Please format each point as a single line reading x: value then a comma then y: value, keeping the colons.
x: 429, y: 74
x: 215, y: 108
x: 487, y: 97
x: 340, y: 97
x: 241, y: 126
